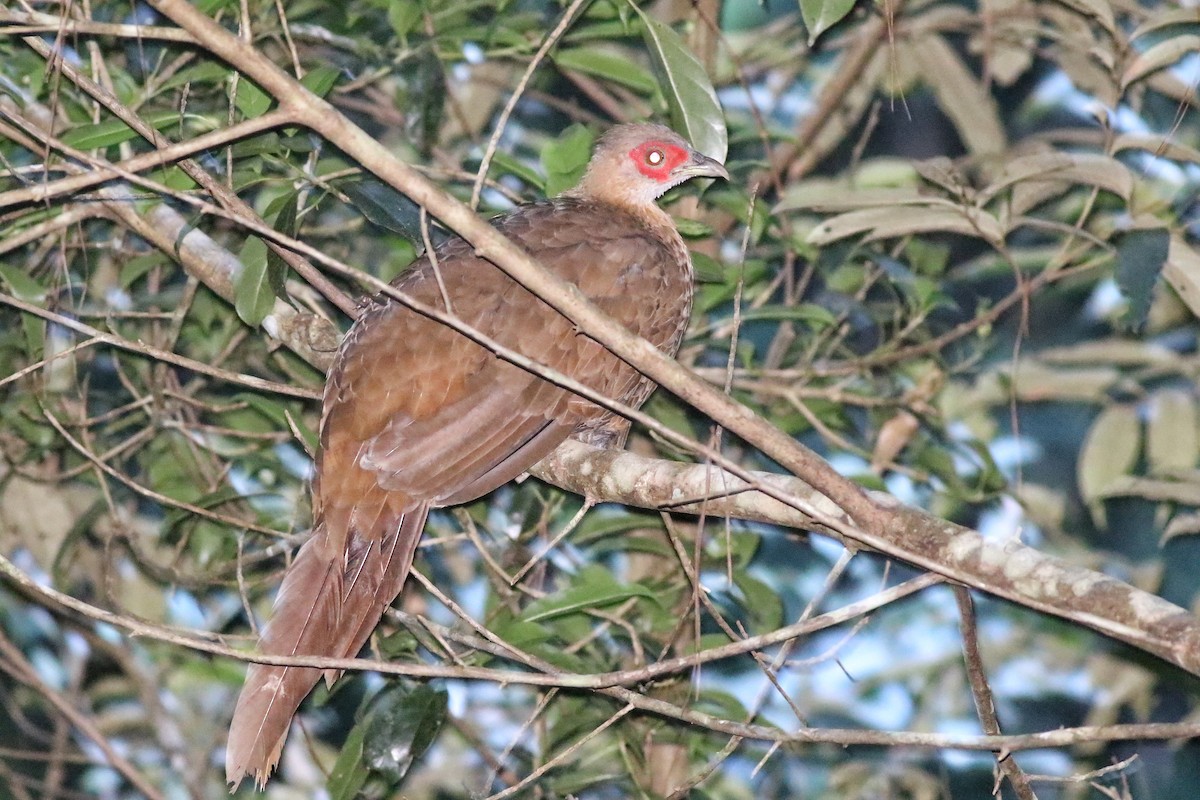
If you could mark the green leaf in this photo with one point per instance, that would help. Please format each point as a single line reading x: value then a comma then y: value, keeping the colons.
x: 26, y: 288
x: 505, y: 163
x: 597, y: 526
x: 737, y: 546
x: 254, y: 298
x: 385, y: 207
x: 114, y: 131
x: 723, y: 704
x: 1141, y: 255
x: 211, y: 7
x: 692, y: 228
x: 593, y: 587
x: 707, y: 268
x: 520, y: 633
x: 252, y: 101
x: 603, y: 64
x: 275, y: 412
x: 175, y: 178
x: 349, y: 773
x: 695, y: 112
x: 401, y: 725
x: 209, y: 72
x: 631, y: 544
x: 138, y: 266
x: 821, y: 15
x: 403, y: 16
x: 320, y: 80
x: 285, y: 223
x: 671, y: 414
x: 21, y: 285
x: 565, y: 159
x: 818, y: 316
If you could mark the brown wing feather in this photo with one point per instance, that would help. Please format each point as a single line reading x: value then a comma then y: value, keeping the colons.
x: 331, y: 608
x: 639, y: 275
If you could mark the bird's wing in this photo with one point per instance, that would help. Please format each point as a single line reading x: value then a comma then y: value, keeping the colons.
x: 437, y: 417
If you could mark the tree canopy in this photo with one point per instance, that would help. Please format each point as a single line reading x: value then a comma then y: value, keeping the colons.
x: 914, y: 514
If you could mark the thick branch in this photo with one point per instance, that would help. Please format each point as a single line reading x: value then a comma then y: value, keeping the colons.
x: 1009, y: 570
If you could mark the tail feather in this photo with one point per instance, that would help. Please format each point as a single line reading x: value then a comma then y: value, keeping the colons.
x: 327, y: 606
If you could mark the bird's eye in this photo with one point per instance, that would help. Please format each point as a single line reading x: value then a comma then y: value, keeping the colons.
x: 655, y: 157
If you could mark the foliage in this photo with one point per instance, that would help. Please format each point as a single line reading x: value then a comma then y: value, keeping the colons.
x: 957, y: 258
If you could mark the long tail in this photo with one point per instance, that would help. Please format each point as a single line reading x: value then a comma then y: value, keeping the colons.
x: 327, y: 606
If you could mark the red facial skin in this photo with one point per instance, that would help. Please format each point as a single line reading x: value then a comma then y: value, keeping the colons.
x: 656, y: 160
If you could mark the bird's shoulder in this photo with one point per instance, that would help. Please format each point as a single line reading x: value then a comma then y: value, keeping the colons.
x: 571, y: 220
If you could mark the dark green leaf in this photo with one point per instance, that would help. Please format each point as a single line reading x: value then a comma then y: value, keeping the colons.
x: 695, y: 112
x: 738, y: 546
x: 253, y: 296
x: 274, y: 412
x: 209, y: 72
x: 138, y: 266
x: 428, y: 99
x: 603, y: 525
x: 670, y: 414
x: 266, y: 144
x: 520, y: 633
x: 631, y: 544
x: 1140, y: 258
x: 693, y: 228
x: 385, y: 207
x: 724, y: 704
x: 26, y: 288
x: 818, y: 316
x: 401, y: 724
x: 114, y: 131
x: 175, y: 178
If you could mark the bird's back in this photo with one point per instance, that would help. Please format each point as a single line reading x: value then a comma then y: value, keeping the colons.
x: 439, y: 413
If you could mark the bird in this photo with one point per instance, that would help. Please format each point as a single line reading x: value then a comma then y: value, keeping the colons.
x: 416, y: 415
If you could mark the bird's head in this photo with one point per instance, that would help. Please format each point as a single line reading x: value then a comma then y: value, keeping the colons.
x: 633, y: 165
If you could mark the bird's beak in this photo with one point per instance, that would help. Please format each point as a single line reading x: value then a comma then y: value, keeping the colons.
x: 701, y: 166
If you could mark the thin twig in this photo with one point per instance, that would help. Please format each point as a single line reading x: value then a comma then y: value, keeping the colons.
x: 547, y: 44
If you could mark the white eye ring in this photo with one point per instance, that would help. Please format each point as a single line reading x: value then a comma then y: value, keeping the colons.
x: 655, y: 157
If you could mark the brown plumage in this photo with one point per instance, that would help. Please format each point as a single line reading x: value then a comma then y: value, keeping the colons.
x: 418, y: 416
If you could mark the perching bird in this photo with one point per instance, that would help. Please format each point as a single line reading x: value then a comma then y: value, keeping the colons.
x: 418, y: 416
